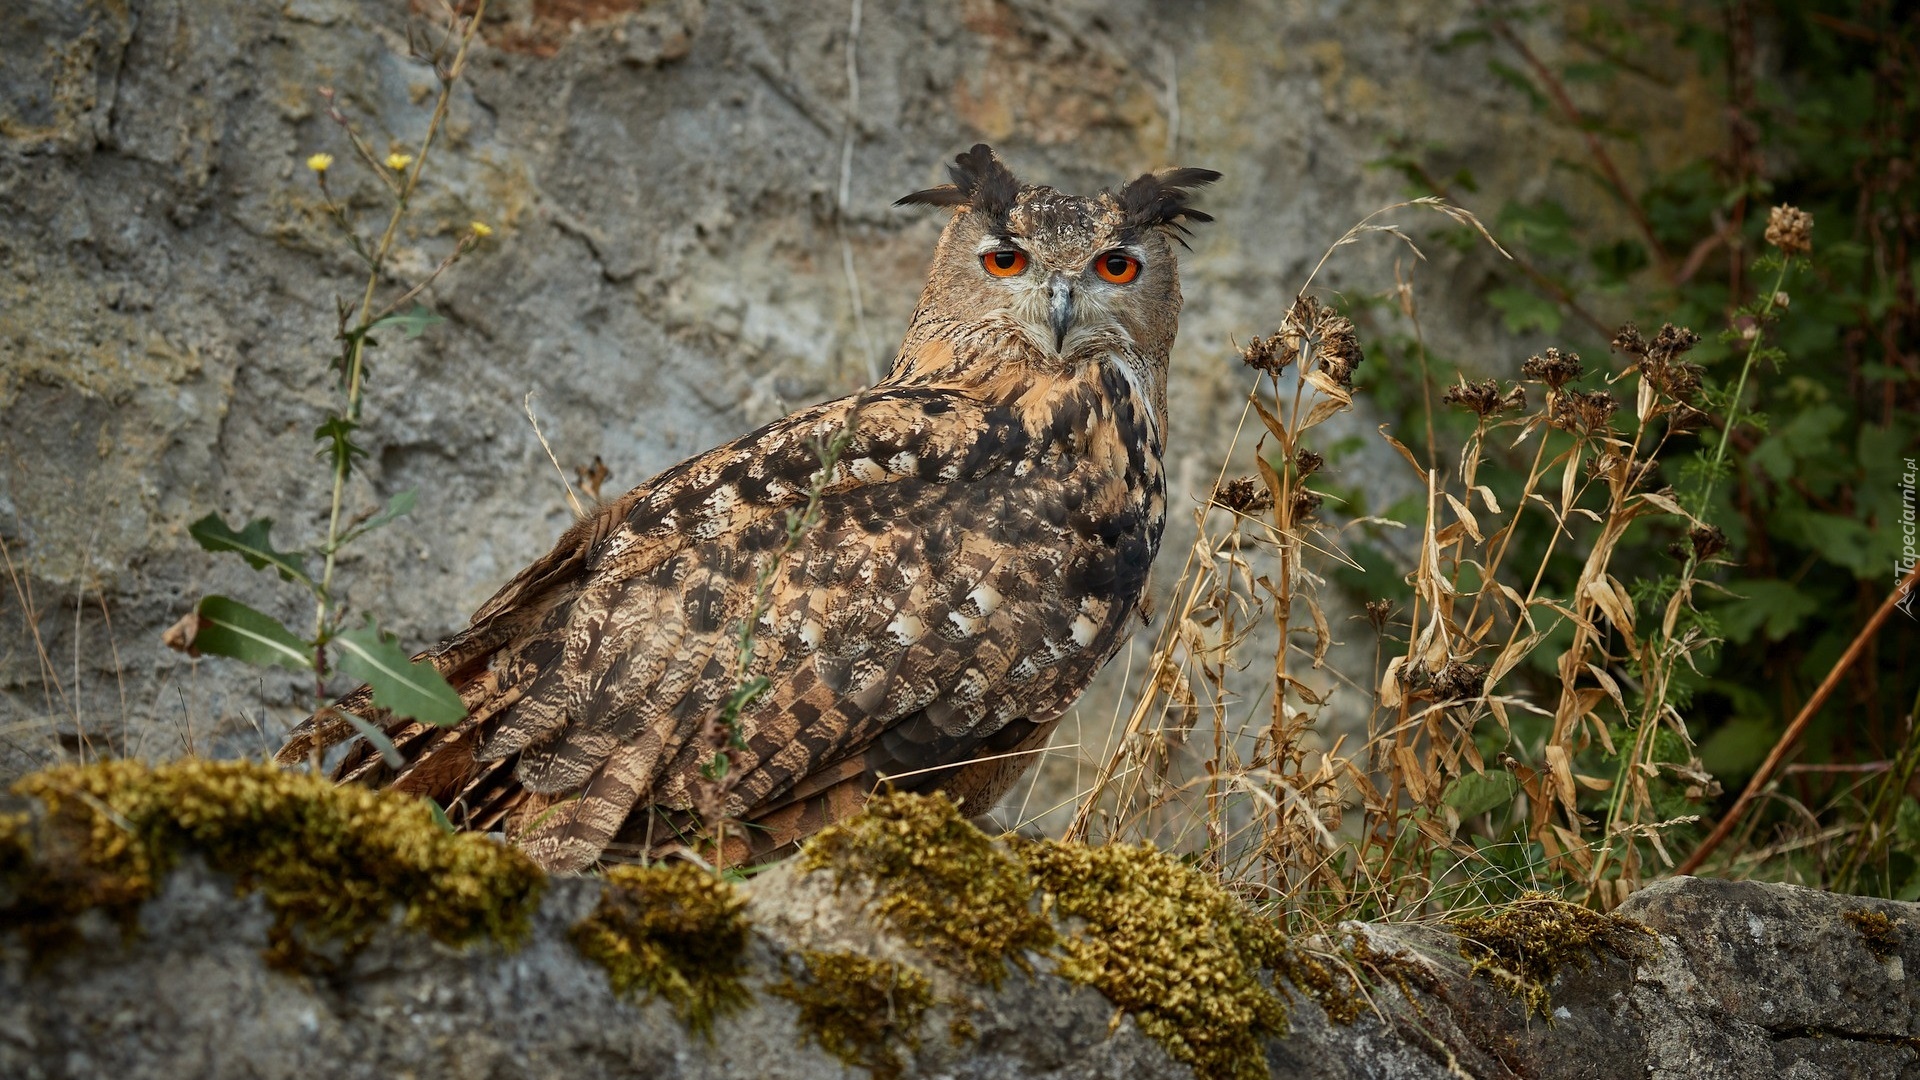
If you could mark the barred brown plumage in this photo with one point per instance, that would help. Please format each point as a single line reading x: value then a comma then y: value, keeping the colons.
x: 982, y: 544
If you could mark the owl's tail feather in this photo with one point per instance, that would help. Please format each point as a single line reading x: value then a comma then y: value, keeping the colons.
x: 656, y: 834
x: 428, y: 751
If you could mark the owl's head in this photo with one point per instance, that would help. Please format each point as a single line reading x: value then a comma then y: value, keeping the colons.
x: 1079, y: 277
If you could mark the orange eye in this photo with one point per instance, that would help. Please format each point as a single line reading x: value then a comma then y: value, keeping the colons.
x: 1005, y: 262
x: 1117, y: 267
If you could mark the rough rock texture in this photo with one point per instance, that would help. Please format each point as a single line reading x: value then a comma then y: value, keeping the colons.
x: 1771, y: 980
x: 665, y: 183
x: 1742, y: 980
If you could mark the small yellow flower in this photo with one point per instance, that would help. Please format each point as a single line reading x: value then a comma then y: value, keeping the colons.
x: 320, y: 162
x: 482, y: 230
x: 397, y: 161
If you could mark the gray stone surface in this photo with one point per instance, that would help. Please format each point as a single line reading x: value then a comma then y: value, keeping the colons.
x: 1742, y: 981
x: 663, y: 176
x: 1775, y: 980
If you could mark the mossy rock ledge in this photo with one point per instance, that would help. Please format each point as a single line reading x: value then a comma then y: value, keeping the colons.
x: 219, y: 919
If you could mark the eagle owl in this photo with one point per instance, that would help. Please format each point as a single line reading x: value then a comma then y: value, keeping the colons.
x: 978, y: 550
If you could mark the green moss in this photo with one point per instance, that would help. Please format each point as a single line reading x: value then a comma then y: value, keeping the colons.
x: 332, y: 862
x: 961, y: 1030
x: 1167, y: 944
x: 1524, y: 945
x: 1878, y: 932
x: 675, y: 932
x: 859, y: 1009
x: 940, y: 883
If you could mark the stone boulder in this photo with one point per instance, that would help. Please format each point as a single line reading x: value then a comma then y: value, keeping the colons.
x: 214, y: 920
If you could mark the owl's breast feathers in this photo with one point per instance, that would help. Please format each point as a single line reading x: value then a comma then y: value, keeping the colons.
x: 980, y: 550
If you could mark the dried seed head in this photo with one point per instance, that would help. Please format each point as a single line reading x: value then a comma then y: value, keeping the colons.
x: 1685, y: 419
x: 1707, y: 541
x: 1485, y: 399
x: 1671, y: 343
x: 1660, y: 362
x: 1582, y: 410
x: 1378, y: 612
x: 1553, y: 367
x: 1306, y: 462
x: 1339, y: 352
x: 1477, y: 398
x: 1680, y: 381
x: 1247, y: 495
x: 1335, y: 346
x: 1458, y: 681
x: 1269, y: 354
x: 1301, y: 317
x: 1790, y: 229
x: 1629, y: 341
x: 1597, y: 408
x: 1305, y: 502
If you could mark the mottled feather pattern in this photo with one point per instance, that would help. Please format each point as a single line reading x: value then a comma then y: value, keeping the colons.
x: 981, y: 549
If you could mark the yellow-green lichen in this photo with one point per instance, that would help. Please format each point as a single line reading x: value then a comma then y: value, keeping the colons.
x: 1522, y: 946
x: 1167, y: 944
x: 331, y: 862
x: 940, y: 883
x: 860, y: 1010
x: 675, y: 932
x: 1878, y: 932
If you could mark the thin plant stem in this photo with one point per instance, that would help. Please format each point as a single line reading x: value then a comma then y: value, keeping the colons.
x: 355, y: 366
x: 1791, y: 736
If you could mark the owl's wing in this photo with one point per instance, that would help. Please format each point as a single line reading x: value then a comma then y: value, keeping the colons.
x: 942, y: 592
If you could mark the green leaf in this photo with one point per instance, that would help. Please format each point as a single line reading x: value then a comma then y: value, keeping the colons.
x: 337, y: 433
x: 413, y: 322
x: 1737, y: 746
x: 398, y: 506
x: 1906, y: 823
x: 1774, y: 455
x: 1619, y: 260
x: 1842, y: 541
x: 1885, y: 371
x: 1883, y: 452
x: 1523, y: 310
x: 231, y: 628
x: 388, y: 752
x: 1477, y: 793
x: 1544, y: 227
x: 1517, y: 79
x: 407, y: 687
x: 251, y: 544
x: 439, y: 815
x: 1776, y: 606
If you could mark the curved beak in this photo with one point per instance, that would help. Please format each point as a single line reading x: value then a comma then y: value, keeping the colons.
x: 1060, y: 308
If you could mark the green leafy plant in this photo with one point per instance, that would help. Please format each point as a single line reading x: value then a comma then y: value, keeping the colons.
x: 1789, y: 531
x: 1614, y: 581
x: 222, y: 626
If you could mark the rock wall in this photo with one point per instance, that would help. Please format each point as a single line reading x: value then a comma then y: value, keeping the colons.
x: 878, y: 951
x: 665, y: 180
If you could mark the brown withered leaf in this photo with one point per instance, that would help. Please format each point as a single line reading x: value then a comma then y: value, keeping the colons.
x: 179, y: 637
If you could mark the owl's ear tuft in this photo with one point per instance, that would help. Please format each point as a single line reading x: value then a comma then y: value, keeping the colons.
x: 980, y: 183
x: 1159, y: 200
